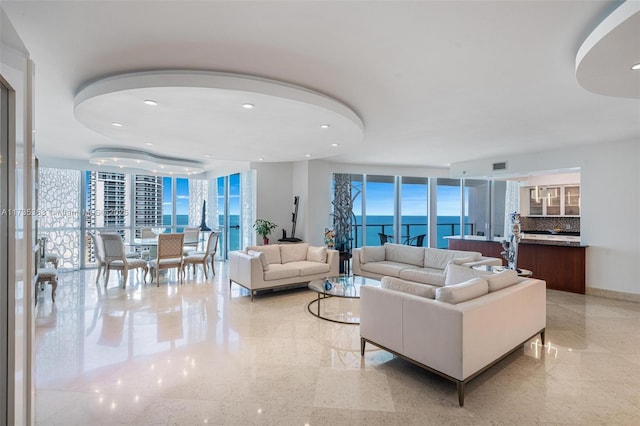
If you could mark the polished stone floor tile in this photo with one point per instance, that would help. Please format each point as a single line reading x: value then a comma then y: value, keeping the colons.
x: 203, y: 353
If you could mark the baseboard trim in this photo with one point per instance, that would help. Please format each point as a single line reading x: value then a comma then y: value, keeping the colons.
x: 612, y: 294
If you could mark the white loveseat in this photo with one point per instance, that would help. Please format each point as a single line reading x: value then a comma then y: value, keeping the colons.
x: 420, y: 264
x: 278, y: 265
x: 456, y: 331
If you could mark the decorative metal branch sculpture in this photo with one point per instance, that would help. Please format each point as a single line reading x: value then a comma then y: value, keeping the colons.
x: 510, y: 247
x: 344, y: 195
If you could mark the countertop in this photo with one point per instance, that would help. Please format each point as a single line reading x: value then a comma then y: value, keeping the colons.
x: 553, y: 240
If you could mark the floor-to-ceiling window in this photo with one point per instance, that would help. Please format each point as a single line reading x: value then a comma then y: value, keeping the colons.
x: 379, y: 210
x: 233, y: 211
x: 477, y: 197
x: 414, y: 210
x: 182, y: 204
x: 449, y: 211
x: 234, y: 203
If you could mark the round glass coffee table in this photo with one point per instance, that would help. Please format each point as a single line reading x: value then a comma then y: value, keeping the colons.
x: 495, y: 269
x: 347, y: 287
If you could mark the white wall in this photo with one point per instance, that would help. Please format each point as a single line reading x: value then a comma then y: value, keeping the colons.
x: 300, y: 185
x: 16, y: 71
x: 274, y: 195
x: 610, y: 205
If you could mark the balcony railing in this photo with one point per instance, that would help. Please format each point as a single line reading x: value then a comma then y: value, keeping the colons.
x: 411, y: 232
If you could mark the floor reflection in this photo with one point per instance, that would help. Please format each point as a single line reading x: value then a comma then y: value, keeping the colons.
x: 202, y: 352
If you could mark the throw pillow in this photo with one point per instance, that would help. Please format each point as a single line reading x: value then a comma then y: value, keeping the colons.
x: 372, y: 254
x: 263, y: 258
x: 462, y: 292
x: 272, y: 252
x: 293, y: 252
x: 423, y: 290
x: 456, y: 274
x: 317, y: 254
x: 502, y: 280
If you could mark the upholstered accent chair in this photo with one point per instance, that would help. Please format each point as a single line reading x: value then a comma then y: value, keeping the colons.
x: 191, y: 240
x: 96, y: 239
x: 169, y: 255
x: 202, y: 257
x: 115, y: 258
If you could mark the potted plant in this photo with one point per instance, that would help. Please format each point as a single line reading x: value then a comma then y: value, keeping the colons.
x: 264, y: 228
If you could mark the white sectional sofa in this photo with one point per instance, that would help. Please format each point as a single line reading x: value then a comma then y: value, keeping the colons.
x: 419, y: 264
x: 279, y: 265
x: 458, y: 330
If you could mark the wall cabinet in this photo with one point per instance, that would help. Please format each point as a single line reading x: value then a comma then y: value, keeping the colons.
x: 552, y: 200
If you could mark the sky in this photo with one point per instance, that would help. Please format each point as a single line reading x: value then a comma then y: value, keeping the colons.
x: 414, y: 200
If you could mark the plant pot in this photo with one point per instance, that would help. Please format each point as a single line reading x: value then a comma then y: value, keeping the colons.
x: 265, y: 241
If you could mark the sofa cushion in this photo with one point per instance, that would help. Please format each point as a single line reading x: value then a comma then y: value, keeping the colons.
x: 317, y: 254
x: 310, y: 268
x: 439, y: 258
x: 404, y: 254
x: 397, y: 284
x: 503, y: 279
x: 455, y: 274
x: 293, y: 252
x: 372, y: 254
x: 263, y: 258
x: 272, y: 252
x: 424, y: 275
x: 386, y: 268
x: 279, y: 271
x: 462, y: 292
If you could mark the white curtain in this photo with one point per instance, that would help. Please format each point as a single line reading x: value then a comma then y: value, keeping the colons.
x: 248, y: 211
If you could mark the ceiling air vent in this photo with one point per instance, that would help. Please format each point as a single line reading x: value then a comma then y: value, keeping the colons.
x: 500, y: 166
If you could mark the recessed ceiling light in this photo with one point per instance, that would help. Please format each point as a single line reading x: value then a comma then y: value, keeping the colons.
x: 248, y: 106
x: 636, y: 67
x: 307, y: 155
x: 150, y: 102
x: 260, y: 159
x: 334, y: 144
x: 207, y: 156
x: 325, y: 126
x: 116, y: 124
x: 148, y: 144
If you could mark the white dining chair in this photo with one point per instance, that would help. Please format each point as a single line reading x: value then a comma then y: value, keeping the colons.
x: 115, y: 258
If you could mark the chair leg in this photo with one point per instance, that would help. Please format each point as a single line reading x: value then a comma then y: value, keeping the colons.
x: 100, y: 271
x: 204, y: 269
x: 125, y: 272
x: 158, y: 275
x: 54, y: 287
x: 106, y: 278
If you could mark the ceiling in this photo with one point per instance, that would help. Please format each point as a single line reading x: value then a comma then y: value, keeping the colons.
x: 432, y: 82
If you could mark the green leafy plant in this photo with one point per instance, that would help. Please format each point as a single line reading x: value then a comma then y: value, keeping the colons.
x: 264, y: 227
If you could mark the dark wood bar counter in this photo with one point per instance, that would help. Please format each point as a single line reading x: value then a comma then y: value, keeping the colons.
x: 562, y: 266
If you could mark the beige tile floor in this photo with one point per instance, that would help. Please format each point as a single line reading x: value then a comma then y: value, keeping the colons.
x: 202, y: 354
